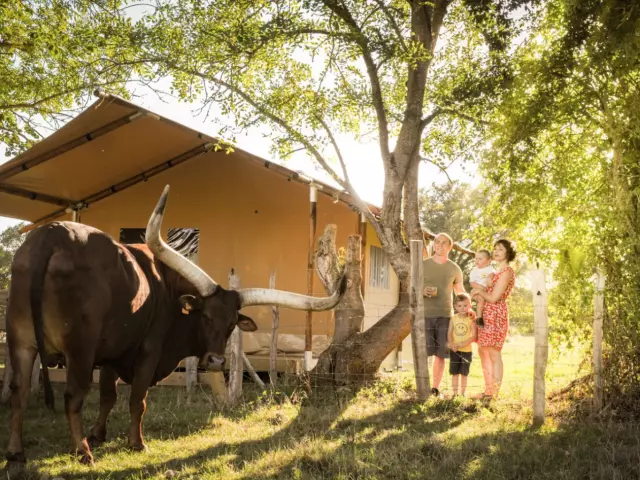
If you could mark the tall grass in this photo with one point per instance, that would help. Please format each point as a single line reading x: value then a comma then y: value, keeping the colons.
x: 377, y: 432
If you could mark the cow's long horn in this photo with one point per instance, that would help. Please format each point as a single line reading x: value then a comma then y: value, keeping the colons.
x: 185, y: 267
x: 267, y: 296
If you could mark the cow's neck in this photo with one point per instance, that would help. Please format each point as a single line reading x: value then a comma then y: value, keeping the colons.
x: 181, y: 342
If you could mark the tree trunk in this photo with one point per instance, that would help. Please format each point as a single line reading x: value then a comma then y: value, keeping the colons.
x: 349, y: 314
x: 356, y: 356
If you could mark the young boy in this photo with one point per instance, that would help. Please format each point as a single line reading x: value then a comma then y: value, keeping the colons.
x: 462, y: 333
x: 480, y: 277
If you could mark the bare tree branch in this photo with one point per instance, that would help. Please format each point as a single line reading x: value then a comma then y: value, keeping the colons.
x: 376, y: 89
x: 442, y: 169
x: 335, y: 147
x: 295, y: 134
x: 393, y: 24
x: 428, y: 119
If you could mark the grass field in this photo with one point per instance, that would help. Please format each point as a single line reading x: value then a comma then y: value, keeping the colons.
x: 380, y: 432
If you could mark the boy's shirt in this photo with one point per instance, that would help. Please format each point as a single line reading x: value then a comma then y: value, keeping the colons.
x: 481, y: 275
x: 462, y: 330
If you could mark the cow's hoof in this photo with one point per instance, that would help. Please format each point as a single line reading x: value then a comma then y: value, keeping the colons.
x: 138, y: 447
x: 95, y: 441
x: 16, y: 457
x: 16, y: 464
x: 86, y: 459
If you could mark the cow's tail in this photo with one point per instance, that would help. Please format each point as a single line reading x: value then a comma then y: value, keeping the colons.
x: 40, y: 256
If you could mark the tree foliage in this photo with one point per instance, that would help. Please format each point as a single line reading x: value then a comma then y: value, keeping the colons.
x: 565, y: 157
x: 53, y: 53
x: 417, y: 76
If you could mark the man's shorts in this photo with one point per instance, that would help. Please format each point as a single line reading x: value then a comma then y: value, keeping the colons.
x: 459, y: 363
x: 437, y: 329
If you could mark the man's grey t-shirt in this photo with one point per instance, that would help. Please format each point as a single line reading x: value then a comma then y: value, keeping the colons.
x: 443, y: 276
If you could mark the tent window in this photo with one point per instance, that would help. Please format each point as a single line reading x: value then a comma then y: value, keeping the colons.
x: 379, y: 268
x: 184, y: 240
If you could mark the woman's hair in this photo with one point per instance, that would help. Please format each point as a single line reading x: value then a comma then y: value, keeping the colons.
x: 509, y: 246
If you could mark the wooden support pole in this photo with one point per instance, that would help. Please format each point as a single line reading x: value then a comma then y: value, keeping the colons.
x: 273, y: 349
x: 308, y: 331
x: 250, y: 370
x: 362, y: 231
x: 541, y: 332
x: 598, y: 314
x: 235, y: 367
x: 418, y: 325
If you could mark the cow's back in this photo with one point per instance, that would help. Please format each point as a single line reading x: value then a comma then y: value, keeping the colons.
x: 93, y: 290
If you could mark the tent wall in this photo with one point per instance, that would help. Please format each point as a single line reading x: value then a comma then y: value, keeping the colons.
x: 250, y: 219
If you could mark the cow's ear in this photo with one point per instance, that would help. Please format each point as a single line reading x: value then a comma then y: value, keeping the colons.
x: 190, y: 303
x: 246, y: 324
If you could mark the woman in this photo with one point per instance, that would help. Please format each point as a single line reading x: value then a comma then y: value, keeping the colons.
x: 495, y: 314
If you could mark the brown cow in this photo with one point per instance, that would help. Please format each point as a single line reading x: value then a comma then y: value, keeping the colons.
x: 77, y: 294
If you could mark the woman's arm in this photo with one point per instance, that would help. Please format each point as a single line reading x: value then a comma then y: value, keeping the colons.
x: 499, y: 288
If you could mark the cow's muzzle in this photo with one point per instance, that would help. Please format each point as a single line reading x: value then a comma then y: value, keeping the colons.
x: 214, y: 362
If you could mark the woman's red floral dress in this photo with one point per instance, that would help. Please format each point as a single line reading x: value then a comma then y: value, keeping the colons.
x: 496, y: 316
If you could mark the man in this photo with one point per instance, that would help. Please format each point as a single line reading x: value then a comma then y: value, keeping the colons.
x: 441, y: 277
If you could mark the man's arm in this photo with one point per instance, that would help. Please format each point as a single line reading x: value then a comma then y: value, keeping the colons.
x: 458, y: 285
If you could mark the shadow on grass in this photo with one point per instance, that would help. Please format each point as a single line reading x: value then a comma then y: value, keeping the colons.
x: 319, y: 419
x: 438, y: 439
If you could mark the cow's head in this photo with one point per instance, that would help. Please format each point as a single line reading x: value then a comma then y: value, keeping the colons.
x: 218, y: 308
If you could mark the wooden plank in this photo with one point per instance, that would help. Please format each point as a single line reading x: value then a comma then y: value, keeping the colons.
x: 418, y: 325
x: 541, y: 332
x: 598, y: 314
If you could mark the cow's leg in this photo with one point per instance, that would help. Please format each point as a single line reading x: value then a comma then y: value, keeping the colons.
x: 79, y: 373
x: 22, y: 358
x: 143, y: 375
x: 108, y: 397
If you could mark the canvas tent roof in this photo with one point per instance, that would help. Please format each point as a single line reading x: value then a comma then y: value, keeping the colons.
x: 112, y: 145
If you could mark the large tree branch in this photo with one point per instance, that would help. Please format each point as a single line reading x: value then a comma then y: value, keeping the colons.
x: 372, y: 72
x: 439, y: 11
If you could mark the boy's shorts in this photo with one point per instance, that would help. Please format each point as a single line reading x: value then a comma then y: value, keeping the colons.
x: 459, y: 363
x: 437, y: 328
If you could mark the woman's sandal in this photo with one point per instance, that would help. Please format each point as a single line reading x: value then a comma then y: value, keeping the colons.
x: 483, y: 396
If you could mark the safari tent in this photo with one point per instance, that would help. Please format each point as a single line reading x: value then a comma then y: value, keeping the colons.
x: 227, y: 209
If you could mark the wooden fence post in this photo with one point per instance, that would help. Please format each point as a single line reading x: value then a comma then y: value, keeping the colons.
x: 598, y: 314
x: 541, y: 331
x: 235, y: 367
x: 6, y: 381
x: 191, y: 370
x: 418, y: 325
x: 273, y: 349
